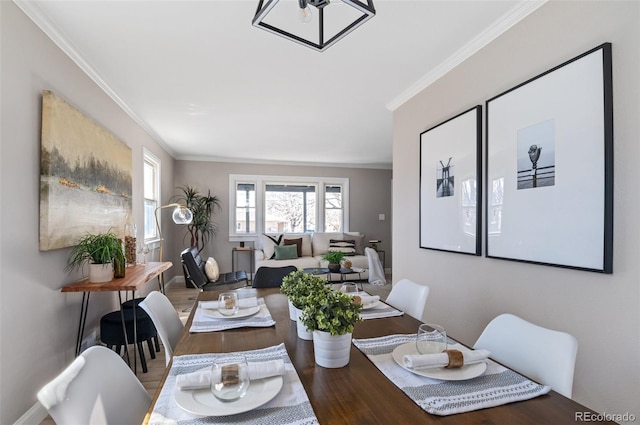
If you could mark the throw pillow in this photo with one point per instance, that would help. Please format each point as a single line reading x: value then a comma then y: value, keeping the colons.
x: 347, y: 246
x: 296, y: 242
x: 269, y: 243
x: 359, y: 240
x: 286, y: 252
x: 211, y: 269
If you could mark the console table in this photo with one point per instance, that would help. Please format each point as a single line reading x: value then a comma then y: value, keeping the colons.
x: 135, y: 277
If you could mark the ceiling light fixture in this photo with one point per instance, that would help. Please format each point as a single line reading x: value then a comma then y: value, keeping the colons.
x: 328, y: 34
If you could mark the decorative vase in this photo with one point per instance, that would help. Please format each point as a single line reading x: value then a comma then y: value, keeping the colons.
x: 100, y: 272
x: 119, y: 265
x: 293, y: 311
x: 303, y: 332
x: 331, y: 351
x: 334, y: 267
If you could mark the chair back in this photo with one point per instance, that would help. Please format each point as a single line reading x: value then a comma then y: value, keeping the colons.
x: 165, y: 319
x: 271, y: 277
x: 410, y: 297
x: 542, y: 354
x: 192, y: 267
x: 96, y: 388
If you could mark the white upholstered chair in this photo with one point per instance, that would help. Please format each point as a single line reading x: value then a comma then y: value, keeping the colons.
x: 410, y: 297
x: 544, y: 355
x: 96, y: 388
x: 166, y: 320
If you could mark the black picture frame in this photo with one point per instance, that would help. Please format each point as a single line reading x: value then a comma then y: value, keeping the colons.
x: 450, y: 184
x: 549, y: 167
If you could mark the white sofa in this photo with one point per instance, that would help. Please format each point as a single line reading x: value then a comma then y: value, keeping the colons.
x: 313, y: 246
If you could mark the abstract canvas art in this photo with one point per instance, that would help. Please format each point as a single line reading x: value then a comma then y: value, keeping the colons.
x: 85, y: 176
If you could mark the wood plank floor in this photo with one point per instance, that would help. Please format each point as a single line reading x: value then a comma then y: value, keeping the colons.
x: 183, y: 299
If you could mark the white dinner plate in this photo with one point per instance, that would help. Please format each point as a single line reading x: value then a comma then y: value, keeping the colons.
x: 242, y: 312
x: 203, y: 402
x: 458, y: 374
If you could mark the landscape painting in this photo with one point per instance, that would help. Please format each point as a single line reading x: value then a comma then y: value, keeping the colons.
x: 85, y: 176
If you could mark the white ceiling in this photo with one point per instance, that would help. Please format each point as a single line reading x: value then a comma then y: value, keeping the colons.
x: 208, y: 85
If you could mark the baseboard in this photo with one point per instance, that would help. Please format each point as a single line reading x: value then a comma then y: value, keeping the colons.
x: 34, y: 416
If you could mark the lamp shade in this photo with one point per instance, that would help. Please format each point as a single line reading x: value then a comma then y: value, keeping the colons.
x: 182, y: 215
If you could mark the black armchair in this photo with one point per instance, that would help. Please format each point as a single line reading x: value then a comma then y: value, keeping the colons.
x: 193, y: 268
x: 271, y: 277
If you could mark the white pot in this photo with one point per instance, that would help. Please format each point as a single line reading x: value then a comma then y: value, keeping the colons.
x: 293, y: 311
x: 303, y: 332
x: 100, y: 272
x: 331, y: 351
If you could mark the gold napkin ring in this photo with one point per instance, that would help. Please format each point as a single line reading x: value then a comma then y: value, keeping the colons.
x: 456, y: 359
x: 230, y: 374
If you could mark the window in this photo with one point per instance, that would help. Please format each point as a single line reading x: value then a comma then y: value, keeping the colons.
x: 333, y: 212
x: 245, y: 208
x: 289, y: 208
x: 151, y: 179
x: 270, y: 204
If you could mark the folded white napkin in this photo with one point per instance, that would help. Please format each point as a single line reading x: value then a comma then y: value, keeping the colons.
x: 427, y: 361
x: 369, y: 299
x: 257, y: 370
x: 242, y: 303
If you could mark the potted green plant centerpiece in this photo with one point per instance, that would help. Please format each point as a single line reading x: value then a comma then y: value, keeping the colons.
x: 334, y: 258
x: 104, y: 254
x: 332, y: 316
x: 298, y: 286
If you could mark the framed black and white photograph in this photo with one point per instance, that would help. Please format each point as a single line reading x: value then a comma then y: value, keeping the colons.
x: 450, y: 189
x: 550, y: 167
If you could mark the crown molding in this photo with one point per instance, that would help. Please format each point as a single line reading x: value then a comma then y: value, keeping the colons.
x: 374, y: 166
x: 511, y: 18
x: 34, y: 13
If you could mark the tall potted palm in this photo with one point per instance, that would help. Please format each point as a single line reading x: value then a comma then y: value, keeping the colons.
x: 202, y: 229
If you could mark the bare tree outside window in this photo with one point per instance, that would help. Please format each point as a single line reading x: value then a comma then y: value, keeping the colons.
x: 290, y: 208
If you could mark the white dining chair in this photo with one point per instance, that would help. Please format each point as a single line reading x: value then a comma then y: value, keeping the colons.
x: 544, y: 355
x: 410, y: 297
x: 96, y: 388
x: 166, y: 320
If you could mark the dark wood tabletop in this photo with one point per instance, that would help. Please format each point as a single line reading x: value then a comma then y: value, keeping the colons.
x: 359, y: 393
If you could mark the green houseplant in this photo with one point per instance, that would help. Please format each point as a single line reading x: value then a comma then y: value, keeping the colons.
x: 103, y: 252
x: 332, y: 316
x: 334, y: 258
x: 202, y: 228
x: 298, y: 286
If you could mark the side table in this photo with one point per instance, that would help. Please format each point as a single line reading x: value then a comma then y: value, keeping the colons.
x: 135, y: 277
x: 234, y: 252
x: 381, y: 251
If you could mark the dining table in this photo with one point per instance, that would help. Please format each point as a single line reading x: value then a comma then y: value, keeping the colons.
x: 358, y: 393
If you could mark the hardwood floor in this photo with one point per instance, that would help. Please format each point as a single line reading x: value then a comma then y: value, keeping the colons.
x: 183, y: 299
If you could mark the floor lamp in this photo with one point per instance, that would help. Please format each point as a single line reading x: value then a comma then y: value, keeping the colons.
x: 181, y: 215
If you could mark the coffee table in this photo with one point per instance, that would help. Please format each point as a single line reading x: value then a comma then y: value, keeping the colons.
x: 317, y: 271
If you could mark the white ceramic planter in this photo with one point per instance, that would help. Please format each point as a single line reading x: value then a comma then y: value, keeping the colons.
x: 100, y: 272
x: 293, y: 311
x: 303, y: 332
x: 331, y: 351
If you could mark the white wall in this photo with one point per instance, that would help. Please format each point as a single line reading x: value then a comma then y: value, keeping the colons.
x: 602, y: 311
x: 38, y: 323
